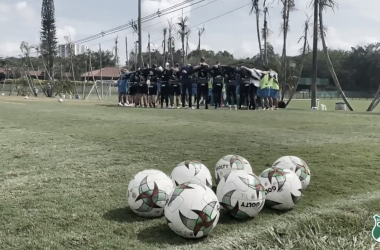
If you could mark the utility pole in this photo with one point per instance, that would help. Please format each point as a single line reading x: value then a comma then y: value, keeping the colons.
x: 126, y: 51
x: 150, y: 55
x: 101, y: 72
x: 140, y: 39
x: 315, y: 57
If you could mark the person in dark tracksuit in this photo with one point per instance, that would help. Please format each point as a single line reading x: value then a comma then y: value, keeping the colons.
x: 230, y: 81
x: 255, y: 77
x: 203, y: 79
x: 194, y: 83
x: 175, y: 88
x: 217, y: 85
x: 165, y: 89
x: 187, y: 85
x: 244, y: 87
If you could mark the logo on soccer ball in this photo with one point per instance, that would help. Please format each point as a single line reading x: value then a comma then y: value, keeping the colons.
x: 149, y: 197
x: 376, y: 228
x: 232, y: 210
x: 204, y: 221
x: 178, y: 190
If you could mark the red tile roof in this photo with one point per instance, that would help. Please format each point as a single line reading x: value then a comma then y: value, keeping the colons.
x: 106, y: 72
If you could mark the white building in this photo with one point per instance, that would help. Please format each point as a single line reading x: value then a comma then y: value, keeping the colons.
x: 65, y: 49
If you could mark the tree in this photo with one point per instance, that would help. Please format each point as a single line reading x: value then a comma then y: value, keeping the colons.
x: 315, y: 56
x: 200, y: 32
x: 164, y: 31
x: 322, y: 6
x: 48, y: 37
x: 288, y: 6
x: 255, y: 9
x: 183, y: 31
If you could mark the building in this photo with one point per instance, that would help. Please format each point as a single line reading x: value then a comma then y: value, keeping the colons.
x: 64, y: 49
x: 107, y: 73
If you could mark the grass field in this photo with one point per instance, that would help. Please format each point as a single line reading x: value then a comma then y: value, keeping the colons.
x: 64, y: 171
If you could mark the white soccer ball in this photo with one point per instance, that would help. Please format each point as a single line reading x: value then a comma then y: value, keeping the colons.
x: 282, y: 188
x: 298, y: 166
x: 241, y: 194
x: 229, y: 163
x: 192, y: 210
x: 60, y: 100
x: 26, y: 97
x: 148, y: 191
x: 193, y: 172
x: 2, y: 94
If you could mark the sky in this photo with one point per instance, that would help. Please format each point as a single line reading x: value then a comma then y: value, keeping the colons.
x: 353, y: 23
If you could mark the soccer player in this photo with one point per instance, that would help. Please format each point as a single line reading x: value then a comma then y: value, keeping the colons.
x: 273, y: 77
x: 165, y: 89
x: 122, y: 87
x: 230, y: 80
x: 217, y: 87
x: 202, y: 86
x: 187, y: 84
x: 254, y: 76
x: 133, y: 89
x: 152, y: 84
x: 175, y: 88
x: 194, y: 79
x: 244, y: 81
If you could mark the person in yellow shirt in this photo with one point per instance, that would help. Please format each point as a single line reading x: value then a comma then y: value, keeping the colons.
x: 264, y: 89
x: 275, y: 88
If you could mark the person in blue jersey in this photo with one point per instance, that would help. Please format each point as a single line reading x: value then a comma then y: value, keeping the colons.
x: 122, y: 89
x: 202, y: 83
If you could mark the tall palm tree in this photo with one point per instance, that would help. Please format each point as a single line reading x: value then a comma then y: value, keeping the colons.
x: 304, y: 49
x: 315, y: 55
x: 288, y: 6
x: 323, y: 4
x: 255, y: 9
x: 200, y: 32
x: 183, y: 31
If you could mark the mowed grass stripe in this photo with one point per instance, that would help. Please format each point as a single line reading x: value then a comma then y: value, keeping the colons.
x: 64, y: 169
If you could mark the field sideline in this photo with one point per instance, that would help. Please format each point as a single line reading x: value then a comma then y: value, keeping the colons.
x: 64, y: 171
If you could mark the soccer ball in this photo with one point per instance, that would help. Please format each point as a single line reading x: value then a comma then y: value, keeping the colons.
x: 241, y: 194
x: 298, y: 166
x: 60, y: 100
x: 193, y: 172
x: 2, y: 94
x: 229, y: 163
x: 282, y: 188
x: 26, y: 97
x: 192, y: 210
x: 148, y: 191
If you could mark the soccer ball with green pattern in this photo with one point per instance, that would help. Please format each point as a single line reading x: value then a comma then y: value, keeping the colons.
x: 193, y: 172
x: 148, y: 191
x: 282, y: 188
x: 298, y: 166
x: 230, y: 163
x: 241, y: 194
x: 192, y: 210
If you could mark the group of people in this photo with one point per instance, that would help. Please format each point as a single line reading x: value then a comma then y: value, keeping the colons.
x: 156, y: 86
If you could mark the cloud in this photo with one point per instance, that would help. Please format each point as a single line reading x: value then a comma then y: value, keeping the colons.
x: 27, y: 13
x: 9, y: 48
x: 65, y: 31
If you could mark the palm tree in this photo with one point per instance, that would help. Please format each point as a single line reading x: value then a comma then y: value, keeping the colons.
x: 183, y: 32
x: 323, y: 4
x: 288, y: 6
x: 315, y: 56
x: 255, y: 9
x: 304, y: 49
x: 200, y: 32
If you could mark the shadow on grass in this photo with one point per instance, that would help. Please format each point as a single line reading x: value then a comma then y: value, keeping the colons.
x: 124, y: 214
x: 227, y: 219
x: 162, y: 234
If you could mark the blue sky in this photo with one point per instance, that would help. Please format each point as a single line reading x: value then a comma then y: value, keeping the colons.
x: 353, y: 23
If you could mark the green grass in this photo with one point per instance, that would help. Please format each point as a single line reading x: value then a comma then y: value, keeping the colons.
x: 64, y: 171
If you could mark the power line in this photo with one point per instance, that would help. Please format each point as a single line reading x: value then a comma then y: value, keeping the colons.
x: 209, y: 20
x: 143, y: 20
